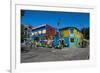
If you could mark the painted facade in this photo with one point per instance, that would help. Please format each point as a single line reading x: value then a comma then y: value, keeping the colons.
x: 43, y: 34
x: 47, y: 35
x: 71, y: 36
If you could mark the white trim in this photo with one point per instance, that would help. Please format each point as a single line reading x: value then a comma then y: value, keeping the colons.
x: 39, y: 26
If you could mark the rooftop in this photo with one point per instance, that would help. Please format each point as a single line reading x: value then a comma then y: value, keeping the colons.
x: 43, y: 25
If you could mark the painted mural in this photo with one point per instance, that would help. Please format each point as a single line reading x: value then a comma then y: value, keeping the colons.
x: 72, y: 36
x: 48, y: 36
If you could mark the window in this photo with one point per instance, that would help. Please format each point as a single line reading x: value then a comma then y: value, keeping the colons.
x: 71, y: 30
x: 44, y: 31
x: 35, y: 33
x: 39, y: 32
x: 32, y: 33
x: 72, y: 40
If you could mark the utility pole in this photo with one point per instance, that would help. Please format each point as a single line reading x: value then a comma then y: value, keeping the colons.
x: 59, y: 34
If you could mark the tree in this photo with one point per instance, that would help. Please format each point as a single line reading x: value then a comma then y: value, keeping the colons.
x: 22, y: 12
x: 22, y: 32
x: 86, y: 33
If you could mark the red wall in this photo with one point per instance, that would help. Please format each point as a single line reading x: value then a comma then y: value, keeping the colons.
x: 50, y: 31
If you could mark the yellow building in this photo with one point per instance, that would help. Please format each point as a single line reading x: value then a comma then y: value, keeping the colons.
x: 72, y: 36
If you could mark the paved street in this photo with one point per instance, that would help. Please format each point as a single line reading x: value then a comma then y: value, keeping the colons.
x: 50, y: 54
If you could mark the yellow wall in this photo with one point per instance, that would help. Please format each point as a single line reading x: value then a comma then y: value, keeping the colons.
x: 66, y: 33
x: 77, y: 33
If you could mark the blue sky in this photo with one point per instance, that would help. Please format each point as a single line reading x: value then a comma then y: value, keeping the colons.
x: 66, y: 19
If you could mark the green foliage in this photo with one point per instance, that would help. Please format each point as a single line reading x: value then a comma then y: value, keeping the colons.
x: 86, y: 33
x: 22, y: 12
x: 23, y: 36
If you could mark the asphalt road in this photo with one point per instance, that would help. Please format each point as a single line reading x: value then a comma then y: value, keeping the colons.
x: 50, y: 54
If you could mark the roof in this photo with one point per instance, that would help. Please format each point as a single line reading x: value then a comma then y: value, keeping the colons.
x: 70, y: 28
x: 39, y: 26
x: 42, y: 26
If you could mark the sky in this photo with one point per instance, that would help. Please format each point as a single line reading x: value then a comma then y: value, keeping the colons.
x: 65, y: 19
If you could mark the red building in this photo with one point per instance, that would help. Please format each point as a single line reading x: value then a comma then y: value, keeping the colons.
x: 43, y: 33
x: 50, y: 31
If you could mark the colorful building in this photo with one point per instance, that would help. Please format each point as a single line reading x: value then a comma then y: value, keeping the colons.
x: 43, y: 34
x: 47, y: 35
x: 71, y: 36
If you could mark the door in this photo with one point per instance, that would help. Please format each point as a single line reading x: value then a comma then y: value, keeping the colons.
x: 72, y: 42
